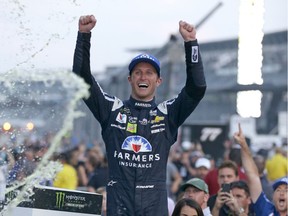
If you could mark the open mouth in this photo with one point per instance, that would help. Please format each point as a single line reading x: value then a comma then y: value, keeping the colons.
x: 143, y: 85
x: 282, y: 202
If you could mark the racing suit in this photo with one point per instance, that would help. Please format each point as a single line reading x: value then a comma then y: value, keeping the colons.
x: 138, y: 135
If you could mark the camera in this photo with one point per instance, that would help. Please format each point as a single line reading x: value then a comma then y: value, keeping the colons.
x: 226, y: 187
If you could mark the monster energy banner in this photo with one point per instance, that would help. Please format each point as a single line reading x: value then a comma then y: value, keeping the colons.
x: 65, y: 200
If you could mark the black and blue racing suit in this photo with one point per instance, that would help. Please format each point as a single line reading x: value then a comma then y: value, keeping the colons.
x: 138, y: 135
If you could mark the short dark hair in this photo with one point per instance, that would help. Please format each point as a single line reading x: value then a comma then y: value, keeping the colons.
x: 241, y: 185
x: 187, y: 202
x: 229, y: 164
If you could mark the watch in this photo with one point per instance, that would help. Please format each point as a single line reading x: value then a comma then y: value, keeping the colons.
x: 241, y: 210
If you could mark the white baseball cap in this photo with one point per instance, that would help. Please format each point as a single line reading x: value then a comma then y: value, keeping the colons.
x: 203, y: 162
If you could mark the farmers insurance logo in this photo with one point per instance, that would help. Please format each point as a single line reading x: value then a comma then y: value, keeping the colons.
x: 132, y: 157
x: 60, y: 197
x: 136, y: 144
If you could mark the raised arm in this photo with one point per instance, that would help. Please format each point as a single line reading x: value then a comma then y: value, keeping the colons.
x: 97, y: 102
x: 195, y: 83
x: 187, y: 31
x: 81, y: 63
x: 86, y: 23
x: 249, y: 166
x: 195, y: 86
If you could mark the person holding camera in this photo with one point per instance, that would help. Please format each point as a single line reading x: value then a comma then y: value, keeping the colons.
x: 223, y: 203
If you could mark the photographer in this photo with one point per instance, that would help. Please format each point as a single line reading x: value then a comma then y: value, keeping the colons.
x: 224, y: 203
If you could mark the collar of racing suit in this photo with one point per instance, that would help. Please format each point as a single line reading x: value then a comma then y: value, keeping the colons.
x: 137, y: 104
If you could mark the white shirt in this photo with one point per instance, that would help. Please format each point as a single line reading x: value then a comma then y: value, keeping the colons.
x: 207, y: 212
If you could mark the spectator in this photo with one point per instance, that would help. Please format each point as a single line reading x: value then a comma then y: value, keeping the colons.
x: 173, y: 179
x: 212, y: 161
x: 277, y: 165
x: 196, y: 189
x: 271, y: 151
x: 40, y: 150
x: 227, y: 144
x: 261, y: 204
x: 263, y: 153
x: 82, y: 167
x: 285, y: 149
x: 210, y: 180
x: 241, y: 194
x: 233, y: 155
x: 266, y: 185
x: 28, y: 163
x: 202, y: 166
x: 184, y: 163
x: 171, y: 206
x: 227, y: 173
x: 21, y: 168
x: 99, y: 178
x: 87, y: 164
x: 82, y: 173
x: 187, y: 207
x: 67, y: 177
x: 7, y: 158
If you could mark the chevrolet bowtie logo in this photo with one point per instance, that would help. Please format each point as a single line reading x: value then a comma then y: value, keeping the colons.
x: 111, y: 183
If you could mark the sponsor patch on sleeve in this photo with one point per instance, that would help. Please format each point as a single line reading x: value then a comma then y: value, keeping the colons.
x: 194, y: 55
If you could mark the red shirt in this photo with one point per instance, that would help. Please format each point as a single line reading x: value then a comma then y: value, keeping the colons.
x: 211, y: 180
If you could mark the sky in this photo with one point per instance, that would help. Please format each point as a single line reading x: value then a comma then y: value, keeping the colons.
x: 42, y: 34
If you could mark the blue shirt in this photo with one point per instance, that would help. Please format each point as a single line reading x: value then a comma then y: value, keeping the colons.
x: 264, y: 207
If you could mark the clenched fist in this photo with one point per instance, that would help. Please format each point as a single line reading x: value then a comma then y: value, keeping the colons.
x: 187, y: 31
x: 86, y: 23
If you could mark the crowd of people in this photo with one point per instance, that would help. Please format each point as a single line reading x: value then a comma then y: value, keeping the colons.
x: 191, y: 174
x: 139, y: 167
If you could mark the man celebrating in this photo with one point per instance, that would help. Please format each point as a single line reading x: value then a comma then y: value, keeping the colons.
x: 262, y: 205
x: 137, y: 132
